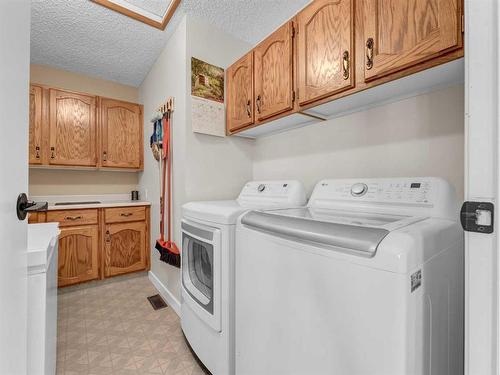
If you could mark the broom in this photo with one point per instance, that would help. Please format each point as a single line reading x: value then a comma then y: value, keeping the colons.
x: 169, y: 251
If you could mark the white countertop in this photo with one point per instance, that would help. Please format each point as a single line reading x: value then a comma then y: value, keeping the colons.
x: 106, y: 200
x: 42, y: 240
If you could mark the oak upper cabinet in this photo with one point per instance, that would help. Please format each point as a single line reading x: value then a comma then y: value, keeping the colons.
x: 121, y: 134
x: 72, y: 129
x: 324, y: 49
x: 35, y: 125
x: 78, y: 254
x: 273, y: 71
x: 124, y: 248
x: 399, y: 34
x: 240, y: 108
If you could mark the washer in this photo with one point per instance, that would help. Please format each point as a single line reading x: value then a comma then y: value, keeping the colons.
x: 207, y: 306
x: 367, y: 279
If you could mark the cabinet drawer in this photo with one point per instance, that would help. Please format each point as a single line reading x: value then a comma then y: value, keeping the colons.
x: 73, y: 217
x: 124, y: 214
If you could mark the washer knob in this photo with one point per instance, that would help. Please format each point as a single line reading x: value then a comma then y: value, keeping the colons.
x: 359, y: 189
x: 261, y: 188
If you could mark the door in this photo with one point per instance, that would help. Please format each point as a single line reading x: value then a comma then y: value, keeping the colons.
x: 399, y: 34
x: 240, y: 109
x: 72, y: 126
x: 124, y: 248
x: 325, y: 49
x: 14, y: 93
x: 201, y: 271
x: 121, y: 134
x: 274, y: 73
x: 482, y: 120
x: 35, y: 125
x: 78, y: 255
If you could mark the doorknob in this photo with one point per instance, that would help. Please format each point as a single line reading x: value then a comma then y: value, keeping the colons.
x: 24, y: 206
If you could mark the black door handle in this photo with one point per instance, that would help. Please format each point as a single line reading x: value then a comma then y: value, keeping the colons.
x: 24, y: 206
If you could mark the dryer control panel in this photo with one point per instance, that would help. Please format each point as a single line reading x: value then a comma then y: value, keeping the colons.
x: 419, y: 195
x: 280, y: 192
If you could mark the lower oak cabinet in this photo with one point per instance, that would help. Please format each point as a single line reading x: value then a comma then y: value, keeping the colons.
x: 124, y: 244
x: 98, y: 243
x: 78, y: 254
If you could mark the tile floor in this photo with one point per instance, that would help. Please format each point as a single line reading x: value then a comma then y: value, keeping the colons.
x: 109, y: 327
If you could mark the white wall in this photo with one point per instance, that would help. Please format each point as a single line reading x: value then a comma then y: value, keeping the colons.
x: 204, y: 167
x: 419, y: 136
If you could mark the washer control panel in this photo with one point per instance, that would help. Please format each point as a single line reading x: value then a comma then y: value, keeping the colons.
x: 380, y: 190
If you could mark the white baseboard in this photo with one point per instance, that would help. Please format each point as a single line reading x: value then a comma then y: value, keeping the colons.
x: 165, y: 293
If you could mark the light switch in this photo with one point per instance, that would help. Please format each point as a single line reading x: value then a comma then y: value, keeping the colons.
x: 483, y: 217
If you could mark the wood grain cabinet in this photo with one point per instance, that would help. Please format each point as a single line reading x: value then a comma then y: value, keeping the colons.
x: 240, y: 108
x: 325, y: 36
x: 78, y: 254
x: 78, y: 130
x: 273, y: 73
x: 72, y: 129
x: 35, y: 125
x: 400, y: 34
x: 121, y: 134
x: 125, y: 248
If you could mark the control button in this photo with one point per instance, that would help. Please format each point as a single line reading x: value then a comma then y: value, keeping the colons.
x: 359, y: 189
x: 261, y: 188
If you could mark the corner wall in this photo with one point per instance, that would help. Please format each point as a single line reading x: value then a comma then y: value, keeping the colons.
x: 204, y: 167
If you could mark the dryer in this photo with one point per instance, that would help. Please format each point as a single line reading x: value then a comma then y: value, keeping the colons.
x: 366, y: 280
x: 207, y: 289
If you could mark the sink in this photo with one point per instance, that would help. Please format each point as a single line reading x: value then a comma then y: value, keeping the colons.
x: 71, y: 203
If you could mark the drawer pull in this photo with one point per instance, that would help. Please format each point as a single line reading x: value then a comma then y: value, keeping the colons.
x: 257, y: 102
x: 52, y: 152
x: 108, y: 236
x: 249, y: 113
x: 72, y: 218
x: 37, y: 152
x: 127, y: 214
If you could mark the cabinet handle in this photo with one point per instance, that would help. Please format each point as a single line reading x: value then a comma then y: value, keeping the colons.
x: 52, y: 152
x: 126, y: 214
x: 108, y: 236
x: 249, y: 113
x: 257, y: 101
x: 346, y: 64
x: 37, y: 152
x: 104, y: 156
x: 72, y: 218
x: 369, y: 53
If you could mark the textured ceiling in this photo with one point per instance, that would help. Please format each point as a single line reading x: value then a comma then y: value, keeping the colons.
x: 83, y: 37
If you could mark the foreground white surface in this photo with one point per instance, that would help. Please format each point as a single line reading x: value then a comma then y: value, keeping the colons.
x: 356, y: 283
x: 42, y: 297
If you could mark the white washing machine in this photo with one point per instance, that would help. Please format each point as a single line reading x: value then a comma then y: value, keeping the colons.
x: 366, y: 280
x: 207, y: 306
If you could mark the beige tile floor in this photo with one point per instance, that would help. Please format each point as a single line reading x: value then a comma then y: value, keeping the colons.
x: 110, y: 328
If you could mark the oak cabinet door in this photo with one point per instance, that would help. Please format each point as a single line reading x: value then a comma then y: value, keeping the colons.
x: 72, y: 129
x: 274, y: 73
x: 399, y: 34
x: 240, y: 109
x: 78, y: 254
x: 125, y: 248
x: 35, y: 125
x: 325, y: 49
x: 121, y: 134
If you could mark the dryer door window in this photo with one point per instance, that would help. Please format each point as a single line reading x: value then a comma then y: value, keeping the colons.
x: 198, y: 270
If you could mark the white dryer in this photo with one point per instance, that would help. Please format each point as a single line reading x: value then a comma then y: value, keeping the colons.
x: 366, y: 280
x: 207, y: 306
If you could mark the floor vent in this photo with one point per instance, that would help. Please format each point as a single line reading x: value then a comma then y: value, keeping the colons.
x: 157, y: 302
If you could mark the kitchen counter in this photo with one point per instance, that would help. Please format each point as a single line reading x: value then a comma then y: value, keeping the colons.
x: 74, y: 202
